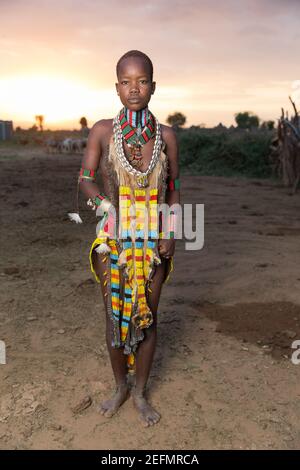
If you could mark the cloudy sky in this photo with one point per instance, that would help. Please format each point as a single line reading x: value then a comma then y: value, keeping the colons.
x: 211, y: 58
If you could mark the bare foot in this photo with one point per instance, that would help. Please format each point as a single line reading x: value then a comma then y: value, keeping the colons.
x: 109, y: 407
x: 147, y: 414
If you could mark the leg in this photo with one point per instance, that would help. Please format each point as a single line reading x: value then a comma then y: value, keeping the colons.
x: 117, y: 357
x: 145, y: 352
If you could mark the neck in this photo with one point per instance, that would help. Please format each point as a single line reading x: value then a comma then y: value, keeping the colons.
x: 137, y: 118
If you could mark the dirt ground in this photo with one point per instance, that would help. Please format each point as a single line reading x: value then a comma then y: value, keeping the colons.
x: 223, y: 376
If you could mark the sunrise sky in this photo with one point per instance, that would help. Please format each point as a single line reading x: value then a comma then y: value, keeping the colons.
x: 211, y: 58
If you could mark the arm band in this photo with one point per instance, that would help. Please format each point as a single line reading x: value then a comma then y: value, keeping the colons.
x: 87, y: 175
x: 173, y: 185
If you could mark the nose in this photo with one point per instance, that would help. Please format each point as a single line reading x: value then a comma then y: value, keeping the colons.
x: 134, y: 89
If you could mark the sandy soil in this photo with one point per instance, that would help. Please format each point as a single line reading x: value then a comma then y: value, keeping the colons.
x: 223, y: 376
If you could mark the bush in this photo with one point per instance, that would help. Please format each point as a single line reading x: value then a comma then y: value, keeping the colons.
x: 225, y: 154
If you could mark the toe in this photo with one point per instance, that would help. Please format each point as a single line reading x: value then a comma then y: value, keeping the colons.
x: 144, y: 421
x: 150, y: 420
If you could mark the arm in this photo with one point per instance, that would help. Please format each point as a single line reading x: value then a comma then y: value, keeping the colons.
x: 87, y: 175
x: 172, y: 196
x: 88, y: 186
x: 167, y: 246
x: 91, y: 159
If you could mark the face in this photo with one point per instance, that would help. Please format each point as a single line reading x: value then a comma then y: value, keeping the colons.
x: 134, y: 84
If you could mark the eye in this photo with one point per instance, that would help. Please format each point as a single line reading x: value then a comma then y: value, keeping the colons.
x: 144, y: 81
x: 124, y: 82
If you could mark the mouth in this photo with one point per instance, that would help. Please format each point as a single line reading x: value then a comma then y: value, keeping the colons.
x: 134, y: 100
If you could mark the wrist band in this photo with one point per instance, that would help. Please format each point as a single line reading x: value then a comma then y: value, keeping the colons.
x: 172, y: 224
x: 170, y: 233
x: 97, y: 201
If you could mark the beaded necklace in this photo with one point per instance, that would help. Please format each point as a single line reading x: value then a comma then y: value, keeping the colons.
x: 138, y: 127
x: 142, y: 177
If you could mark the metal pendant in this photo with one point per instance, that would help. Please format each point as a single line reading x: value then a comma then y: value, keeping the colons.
x: 136, y: 151
x: 142, y: 181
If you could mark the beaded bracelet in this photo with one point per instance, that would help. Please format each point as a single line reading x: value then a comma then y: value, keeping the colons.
x: 96, y: 201
x: 171, y: 229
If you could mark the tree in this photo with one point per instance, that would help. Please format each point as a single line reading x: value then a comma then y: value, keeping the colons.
x: 268, y: 125
x: 40, y: 121
x: 246, y: 120
x: 176, y: 120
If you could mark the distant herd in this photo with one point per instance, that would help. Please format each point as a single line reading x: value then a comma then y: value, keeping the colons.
x: 68, y: 145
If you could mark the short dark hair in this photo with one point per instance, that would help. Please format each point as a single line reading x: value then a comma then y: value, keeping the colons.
x: 135, y: 53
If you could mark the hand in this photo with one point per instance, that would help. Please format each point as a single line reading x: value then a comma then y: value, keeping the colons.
x: 166, y: 247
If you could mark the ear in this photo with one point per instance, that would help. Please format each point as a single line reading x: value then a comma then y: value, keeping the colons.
x: 117, y: 88
x: 153, y: 87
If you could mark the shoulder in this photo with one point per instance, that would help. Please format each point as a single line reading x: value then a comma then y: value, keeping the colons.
x: 101, y: 131
x: 168, y: 133
x: 169, y: 136
x: 102, y: 126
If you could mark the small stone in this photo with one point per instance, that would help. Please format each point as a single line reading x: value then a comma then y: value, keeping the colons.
x: 11, y: 270
x: 61, y: 331
x: 82, y: 405
x: 289, y: 333
x: 275, y: 420
x: 31, y: 318
x: 27, y: 395
x: 97, y: 386
x: 56, y: 427
x: 27, y: 433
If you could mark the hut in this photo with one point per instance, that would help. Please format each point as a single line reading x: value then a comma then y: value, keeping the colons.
x: 6, y: 130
